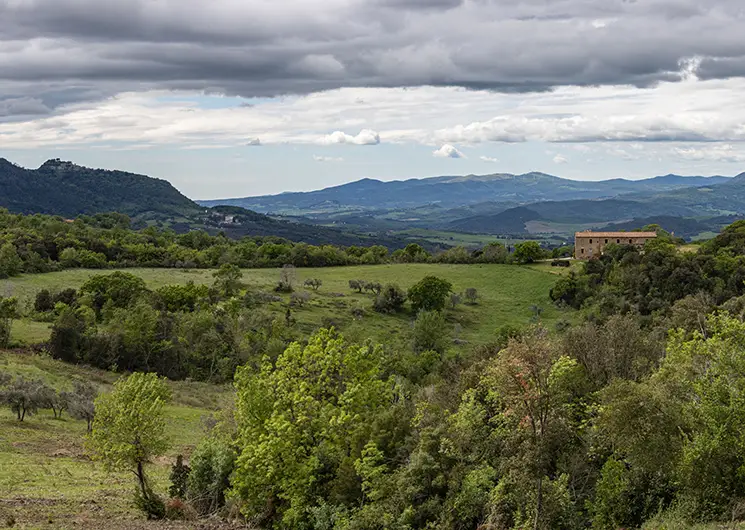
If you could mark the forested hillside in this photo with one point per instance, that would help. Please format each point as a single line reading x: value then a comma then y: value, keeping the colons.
x: 625, y: 414
x: 66, y: 189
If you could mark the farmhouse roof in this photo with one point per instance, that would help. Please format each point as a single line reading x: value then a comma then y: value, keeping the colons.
x: 615, y: 234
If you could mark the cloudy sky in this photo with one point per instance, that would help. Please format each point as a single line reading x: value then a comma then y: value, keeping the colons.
x: 245, y: 97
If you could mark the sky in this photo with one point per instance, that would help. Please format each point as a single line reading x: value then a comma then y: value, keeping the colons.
x: 234, y: 98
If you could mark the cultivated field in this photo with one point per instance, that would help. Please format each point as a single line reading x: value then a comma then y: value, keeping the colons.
x: 507, y: 295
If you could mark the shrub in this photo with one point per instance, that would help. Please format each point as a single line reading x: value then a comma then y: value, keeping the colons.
x: 43, y: 302
x: 211, y: 465
x: 430, y: 294
x: 430, y: 332
x: 357, y: 285
x: 299, y: 299
x: 179, y: 478
x: 471, y: 295
x: 287, y: 279
x: 390, y: 300
x: 313, y: 283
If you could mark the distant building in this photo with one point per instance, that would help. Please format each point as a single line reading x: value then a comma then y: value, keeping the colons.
x: 588, y: 245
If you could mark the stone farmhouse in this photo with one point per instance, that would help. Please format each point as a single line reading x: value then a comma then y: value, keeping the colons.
x: 588, y: 245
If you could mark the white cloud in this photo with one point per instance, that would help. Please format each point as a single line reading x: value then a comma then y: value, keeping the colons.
x: 365, y: 137
x: 254, y: 142
x: 676, y: 112
x: 447, y: 151
x: 488, y: 159
x: 711, y: 153
x: 560, y: 159
x: 319, y: 158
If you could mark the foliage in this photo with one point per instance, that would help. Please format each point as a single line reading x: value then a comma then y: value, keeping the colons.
x: 430, y: 294
x: 313, y: 283
x: 24, y: 397
x: 528, y: 252
x: 8, y: 313
x: 302, y: 425
x: 472, y: 295
x: 129, y: 431
x: 212, y: 463
x: 179, y: 478
x: 390, y: 300
x: 430, y: 332
x: 228, y: 280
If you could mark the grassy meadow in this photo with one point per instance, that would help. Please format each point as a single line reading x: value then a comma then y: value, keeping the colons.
x: 507, y: 293
x: 47, y: 478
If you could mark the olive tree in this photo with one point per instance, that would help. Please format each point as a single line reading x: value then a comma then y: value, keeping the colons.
x: 129, y: 431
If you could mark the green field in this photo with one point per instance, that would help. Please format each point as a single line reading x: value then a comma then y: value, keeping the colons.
x: 507, y: 293
x: 47, y: 478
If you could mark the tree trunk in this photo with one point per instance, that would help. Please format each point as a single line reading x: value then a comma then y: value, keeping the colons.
x: 141, y: 480
x: 538, y: 504
x: 23, y: 413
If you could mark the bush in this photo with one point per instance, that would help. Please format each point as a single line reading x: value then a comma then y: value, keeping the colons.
x: 430, y: 332
x: 313, y: 283
x: 211, y: 465
x: 299, y: 299
x: 43, y: 302
x: 390, y: 300
x: 472, y: 296
x: 179, y: 478
x: 430, y: 294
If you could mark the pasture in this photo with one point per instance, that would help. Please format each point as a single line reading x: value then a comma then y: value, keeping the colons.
x: 508, y: 294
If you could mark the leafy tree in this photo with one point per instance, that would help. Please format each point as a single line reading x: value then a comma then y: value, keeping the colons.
x: 430, y: 294
x: 493, y: 253
x: 8, y: 313
x: 81, y: 403
x: 119, y: 289
x: 129, y: 431
x: 357, y: 285
x: 24, y: 397
x: 373, y: 287
x: 175, y: 298
x: 302, y: 424
x: 228, y: 280
x: 390, y: 300
x: 528, y: 252
x: 212, y: 463
x: 430, y: 332
x: 43, y: 302
x: 10, y: 262
x: 313, y: 283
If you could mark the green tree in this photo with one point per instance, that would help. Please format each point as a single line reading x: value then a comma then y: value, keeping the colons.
x: 528, y: 252
x: 10, y: 262
x: 430, y: 294
x: 24, y: 397
x: 430, y: 332
x: 390, y: 300
x: 228, y: 280
x: 302, y: 425
x: 129, y: 431
x: 8, y: 313
x: 212, y: 463
x: 119, y: 289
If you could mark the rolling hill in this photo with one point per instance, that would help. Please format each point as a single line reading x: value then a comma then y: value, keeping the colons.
x: 69, y: 190
x: 66, y: 189
x: 370, y: 194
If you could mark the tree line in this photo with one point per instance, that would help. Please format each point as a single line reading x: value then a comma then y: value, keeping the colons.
x: 42, y: 243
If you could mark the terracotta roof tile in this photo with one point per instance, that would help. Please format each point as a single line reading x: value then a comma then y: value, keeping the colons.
x: 622, y: 235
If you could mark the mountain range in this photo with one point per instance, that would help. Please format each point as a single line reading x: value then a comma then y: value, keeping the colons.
x: 506, y: 204
x: 369, y: 194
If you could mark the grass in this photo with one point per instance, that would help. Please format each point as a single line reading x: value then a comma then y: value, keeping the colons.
x: 47, y: 477
x: 507, y: 293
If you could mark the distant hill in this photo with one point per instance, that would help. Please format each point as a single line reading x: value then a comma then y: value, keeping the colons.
x: 66, y: 189
x: 705, y: 207
x: 454, y: 191
x: 69, y: 190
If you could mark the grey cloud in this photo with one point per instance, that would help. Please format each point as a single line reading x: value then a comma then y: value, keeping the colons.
x: 68, y: 51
